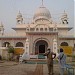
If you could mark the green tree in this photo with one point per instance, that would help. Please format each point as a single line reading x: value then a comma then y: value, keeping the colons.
x: 11, y: 49
x: 10, y: 52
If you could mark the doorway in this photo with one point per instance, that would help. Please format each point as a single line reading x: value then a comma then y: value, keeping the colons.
x: 42, y: 49
x: 41, y: 46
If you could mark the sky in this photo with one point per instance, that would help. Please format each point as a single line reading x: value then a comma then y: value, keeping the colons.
x: 10, y: 8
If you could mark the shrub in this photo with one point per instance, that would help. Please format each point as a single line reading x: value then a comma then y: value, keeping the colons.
x: 10, y: 49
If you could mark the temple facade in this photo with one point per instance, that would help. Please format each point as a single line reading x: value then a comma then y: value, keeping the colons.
x: 42, y: 32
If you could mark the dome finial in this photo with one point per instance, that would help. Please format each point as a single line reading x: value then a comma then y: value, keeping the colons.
x: 19, y: 11
x: 64, y: 11
x: 42, y: 2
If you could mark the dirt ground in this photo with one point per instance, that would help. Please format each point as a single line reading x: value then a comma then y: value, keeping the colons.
x: 14, y: 68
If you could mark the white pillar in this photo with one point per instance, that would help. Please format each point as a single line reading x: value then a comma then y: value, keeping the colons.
x: 25, y: 55
x: 55, y: 49
x: 27, y: 46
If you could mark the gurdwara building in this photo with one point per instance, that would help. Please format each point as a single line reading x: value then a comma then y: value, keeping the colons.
x: 42, y: 32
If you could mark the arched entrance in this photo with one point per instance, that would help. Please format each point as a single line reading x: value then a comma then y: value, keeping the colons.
x: 41, y: 46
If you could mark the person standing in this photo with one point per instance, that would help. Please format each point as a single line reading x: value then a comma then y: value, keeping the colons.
x: 50, y: 56
x: 62, y: 61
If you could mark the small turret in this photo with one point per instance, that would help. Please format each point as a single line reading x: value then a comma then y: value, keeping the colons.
x: 64, y: 18
x: 55, y: 27
x: 19, y: 18
x: 1, y: 29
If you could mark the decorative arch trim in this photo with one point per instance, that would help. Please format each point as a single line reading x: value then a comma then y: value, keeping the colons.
x: 45, y: 44
x: 41, y: 39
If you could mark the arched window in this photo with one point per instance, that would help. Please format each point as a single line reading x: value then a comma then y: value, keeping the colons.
x: 6, y: 44
x: 41, y: 29
x: 19, y: 44
x: 64, y: 44
x: 37, y: 29
x: 45, y: 29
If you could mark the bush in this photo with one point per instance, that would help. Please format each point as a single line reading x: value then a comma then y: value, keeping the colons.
x: 11, y: 52
x: 10, y: 49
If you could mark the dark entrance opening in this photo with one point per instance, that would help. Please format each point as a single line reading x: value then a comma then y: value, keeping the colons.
x: 41, y: 46
x: 42, y: 49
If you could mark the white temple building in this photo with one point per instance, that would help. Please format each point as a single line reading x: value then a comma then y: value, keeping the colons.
x: 41, y: 33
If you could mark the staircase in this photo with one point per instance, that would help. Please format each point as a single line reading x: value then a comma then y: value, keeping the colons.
x: 41, y: 56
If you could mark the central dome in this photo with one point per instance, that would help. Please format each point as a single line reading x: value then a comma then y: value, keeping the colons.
x: 42, y: 13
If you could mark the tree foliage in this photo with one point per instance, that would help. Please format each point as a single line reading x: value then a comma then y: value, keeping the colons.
x: 10, y: 49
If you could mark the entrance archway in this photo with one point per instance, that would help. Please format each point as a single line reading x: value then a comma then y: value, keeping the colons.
x: 41, y: 46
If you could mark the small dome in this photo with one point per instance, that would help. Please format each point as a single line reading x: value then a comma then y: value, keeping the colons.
x: 42, y: 12
x: 19, y: 15
x: 64, y: 15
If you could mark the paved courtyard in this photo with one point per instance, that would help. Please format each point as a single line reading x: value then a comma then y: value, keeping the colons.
x: 13, y: 68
